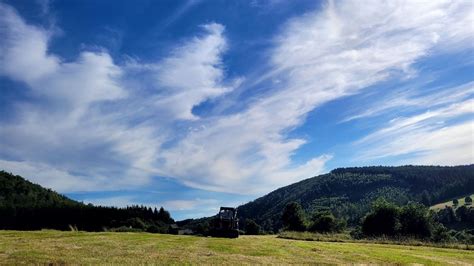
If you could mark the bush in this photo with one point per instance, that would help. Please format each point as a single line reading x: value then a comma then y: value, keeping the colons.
x: 252, y: 228
x: 383, y: 220
x: 157, y: 229
x: 441, y: 234
x: 136, y: 223
x: 468, y: 200
x: 357, y: 233
x: 125, y: 229
x: 293, y: 217
x: 415, y: 221
x: 462, y: 213
x: 325, y: 222
x: 463, y: 237
x: 202, y: 228
x: 447, y: 215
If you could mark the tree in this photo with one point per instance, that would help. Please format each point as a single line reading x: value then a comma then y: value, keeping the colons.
x: 447, y: 215
x: 468, y: 200
x: 164, y: 215
x: 324, y: 222
x: 383, y: 220
x: 415, y: 221
x: 455, y: 202
x: 425, y: 198
x: 462, y: 213
x: 293, y: 217
x: 251, y: 227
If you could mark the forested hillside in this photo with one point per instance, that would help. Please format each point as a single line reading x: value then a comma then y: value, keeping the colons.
x: 349, y: 192
x: 28, y: 206
x: 17, y: 192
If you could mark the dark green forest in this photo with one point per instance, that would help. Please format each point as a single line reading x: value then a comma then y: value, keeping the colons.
x: 28, y: 206
x: 348, y: 194
x: 355, y: 198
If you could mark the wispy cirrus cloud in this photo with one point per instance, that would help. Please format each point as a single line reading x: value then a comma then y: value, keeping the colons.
x: 191, y: 74
x: 412, y: 98
x: 444, y: 135
x: 123, y: 124
x: 86, y: 118
x: 319, y: 57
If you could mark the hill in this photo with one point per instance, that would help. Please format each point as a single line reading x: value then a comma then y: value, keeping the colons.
x: 348, y: 192
x: 15, y: 191
x: 28, y: 206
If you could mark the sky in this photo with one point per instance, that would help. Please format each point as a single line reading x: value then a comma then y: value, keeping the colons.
x: 196, y: 104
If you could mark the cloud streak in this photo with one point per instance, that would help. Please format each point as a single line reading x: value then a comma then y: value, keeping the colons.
x: 431, y: 137
x: 114, y: 126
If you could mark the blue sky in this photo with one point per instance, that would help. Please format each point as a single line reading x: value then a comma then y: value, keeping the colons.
x: 192, y: 105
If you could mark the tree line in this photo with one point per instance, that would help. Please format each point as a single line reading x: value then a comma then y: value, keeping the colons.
x: 387, y: 219
x: 348, y: 193
x: 28, y: 206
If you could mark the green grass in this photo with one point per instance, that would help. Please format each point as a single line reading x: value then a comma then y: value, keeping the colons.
x: 45, y: 247
x: 346, y: 238
x: 450, y: 203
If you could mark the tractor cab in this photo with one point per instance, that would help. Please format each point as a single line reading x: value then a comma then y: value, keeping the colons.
x: 226, y: 223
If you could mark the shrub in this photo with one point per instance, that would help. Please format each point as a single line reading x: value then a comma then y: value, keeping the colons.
x: 383, y: 220
x: 441, y: 234
x: 446, y: 215
x: 125, y: 229
x: 463, y: 237
x: 157, y: 229
x: 293, y: 217
x: 357, y: 233
x: 468, y: 200
x: 415, y: 221
x: 136, y: 223
x: 252, y: 228
x: 325, y: 222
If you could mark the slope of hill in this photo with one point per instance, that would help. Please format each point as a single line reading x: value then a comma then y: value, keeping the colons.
x: 449, y: 203
x: 348, y: 192
x: 16, y: 191
x: 28, y: 206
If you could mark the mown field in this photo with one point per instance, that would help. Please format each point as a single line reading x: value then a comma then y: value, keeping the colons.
x: 45, y: 247
x: 450, y: 203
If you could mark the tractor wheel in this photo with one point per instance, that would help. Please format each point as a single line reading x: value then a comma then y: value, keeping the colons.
x: 234, y: 234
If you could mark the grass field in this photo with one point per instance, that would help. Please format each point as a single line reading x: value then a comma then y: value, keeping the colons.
x: 450, y: 203
x: 42, y: 247
x: 346, y: 238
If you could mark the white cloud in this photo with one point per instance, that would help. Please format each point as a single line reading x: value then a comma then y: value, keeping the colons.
x: 193, y: 73
x: 182, y: 208
x: 205, y: 205
x: 432, y: 137
x: 23, y: 50
x: 50, y: 177
x: 319, y: 57
x: 413, y: 98
x: 119, y: 201
x: 122, y: 124
x: 83, y: 119
x: 434, y: 117
x: 181, y: 205
x: 452, y: 145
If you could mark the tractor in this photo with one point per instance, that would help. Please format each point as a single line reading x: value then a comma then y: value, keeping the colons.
x: 225, y: 224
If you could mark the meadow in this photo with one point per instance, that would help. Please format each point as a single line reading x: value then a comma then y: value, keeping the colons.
x: 59, y: 247
x: 449, y: 203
